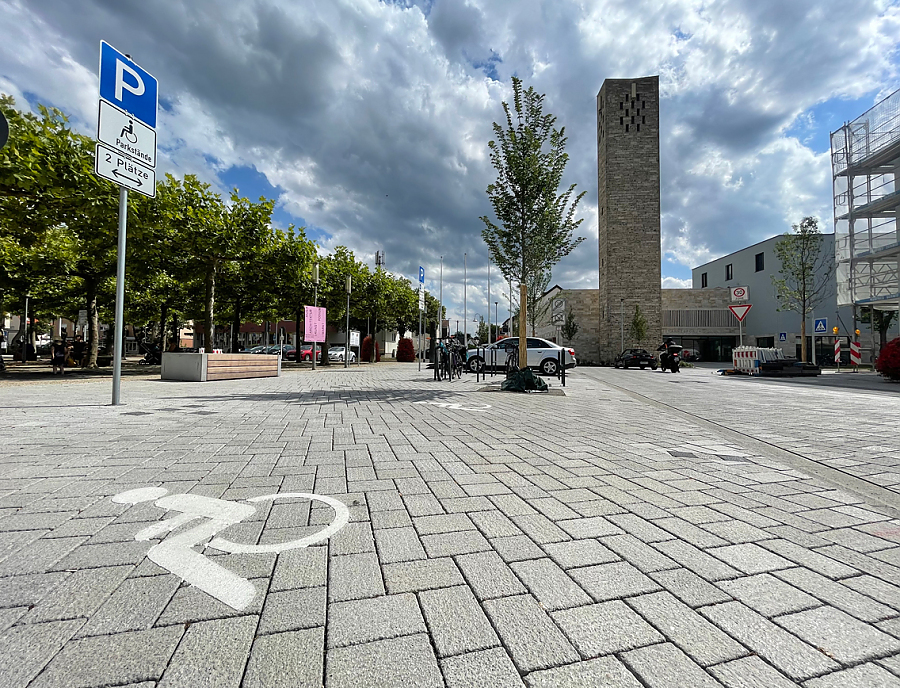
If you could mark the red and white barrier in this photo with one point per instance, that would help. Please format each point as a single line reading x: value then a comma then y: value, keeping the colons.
x: 837, y: 351
x: 855, y: 357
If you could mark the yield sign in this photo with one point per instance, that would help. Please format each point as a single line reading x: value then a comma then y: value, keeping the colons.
x: 740, y: 312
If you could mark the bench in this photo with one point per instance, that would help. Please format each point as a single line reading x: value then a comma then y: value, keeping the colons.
x: 192, y: 367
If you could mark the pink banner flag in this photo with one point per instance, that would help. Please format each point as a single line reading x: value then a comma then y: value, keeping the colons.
x: 315, y: 324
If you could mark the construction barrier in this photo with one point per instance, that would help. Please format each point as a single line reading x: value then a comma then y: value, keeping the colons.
x: 855, y: 357
x: 747, y: 359
x: 837, y: 351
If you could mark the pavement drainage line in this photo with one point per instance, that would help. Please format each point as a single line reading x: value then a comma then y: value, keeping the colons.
x: 886, y: 499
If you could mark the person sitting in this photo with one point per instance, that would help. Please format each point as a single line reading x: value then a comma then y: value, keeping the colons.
x: 78, y: 351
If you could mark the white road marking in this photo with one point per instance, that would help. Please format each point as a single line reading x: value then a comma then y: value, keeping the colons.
x: 454, y: 405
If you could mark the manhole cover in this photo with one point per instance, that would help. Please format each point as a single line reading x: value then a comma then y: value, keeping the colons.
x: 683, y: 455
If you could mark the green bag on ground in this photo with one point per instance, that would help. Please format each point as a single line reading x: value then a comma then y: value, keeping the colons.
x: 523, y: 380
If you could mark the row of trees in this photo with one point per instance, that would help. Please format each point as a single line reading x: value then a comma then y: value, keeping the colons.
x: 192, y: 255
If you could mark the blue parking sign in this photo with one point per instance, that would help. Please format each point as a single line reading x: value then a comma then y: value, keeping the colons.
x: 421, y: 274
x: 124, y: 84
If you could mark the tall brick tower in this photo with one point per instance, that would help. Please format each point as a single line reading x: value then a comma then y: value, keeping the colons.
x: 628, y: 202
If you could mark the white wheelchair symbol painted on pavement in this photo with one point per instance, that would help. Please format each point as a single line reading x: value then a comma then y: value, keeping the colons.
x: 455, y: 406
x: 175, y: 554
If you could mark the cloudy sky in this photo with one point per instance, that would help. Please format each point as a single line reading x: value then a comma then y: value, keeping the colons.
x: 369, y: 120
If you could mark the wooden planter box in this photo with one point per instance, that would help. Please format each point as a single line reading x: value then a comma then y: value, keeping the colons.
x: 208, y: 367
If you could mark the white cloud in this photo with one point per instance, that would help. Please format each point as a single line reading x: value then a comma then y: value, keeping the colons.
x: 676, y: 283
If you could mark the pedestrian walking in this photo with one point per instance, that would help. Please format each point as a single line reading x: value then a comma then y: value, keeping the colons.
x: 78, y: 350
x: 58, y: 356
x: 2, y: 351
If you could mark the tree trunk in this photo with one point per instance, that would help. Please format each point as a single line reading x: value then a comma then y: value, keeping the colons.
x: 163, y: 317
x: 298, y: 342
x: 523, y: 326
x: 803, y: 339
x: 209, y: 314
x: 236, y: 325
x: 176, y: 335
x: 90, y: 288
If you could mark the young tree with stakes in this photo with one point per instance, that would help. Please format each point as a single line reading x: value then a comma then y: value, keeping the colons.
x: 536, y: 223
x: 806, y: 273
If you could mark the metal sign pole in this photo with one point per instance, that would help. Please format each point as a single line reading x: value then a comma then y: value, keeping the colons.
x: 120, y: 296
x: 420, y: 338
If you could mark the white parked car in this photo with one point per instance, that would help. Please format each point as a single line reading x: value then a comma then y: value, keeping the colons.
x: 542, y: 355
x: 336, y: 353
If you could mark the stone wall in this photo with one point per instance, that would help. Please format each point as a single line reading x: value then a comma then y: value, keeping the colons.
x: 585, y: 305
x: 628, y: 202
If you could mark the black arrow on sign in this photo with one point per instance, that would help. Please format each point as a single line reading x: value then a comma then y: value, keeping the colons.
x: 119, y: 174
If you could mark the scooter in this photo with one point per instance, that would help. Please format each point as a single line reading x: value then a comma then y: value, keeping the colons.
x: 670, y: 357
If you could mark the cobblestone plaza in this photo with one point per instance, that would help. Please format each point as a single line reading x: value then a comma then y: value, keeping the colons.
x: 644, y: 529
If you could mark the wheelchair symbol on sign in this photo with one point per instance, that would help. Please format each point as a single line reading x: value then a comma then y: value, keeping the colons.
x: 176, y: 554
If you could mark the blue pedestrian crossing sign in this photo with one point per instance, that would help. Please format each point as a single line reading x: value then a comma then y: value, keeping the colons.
x: 782, y: 336
x: 124, y: 84
x: 821, y: 326
x: 421, y: 274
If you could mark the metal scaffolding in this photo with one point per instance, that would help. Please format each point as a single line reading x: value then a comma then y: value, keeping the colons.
x: 865, y: 163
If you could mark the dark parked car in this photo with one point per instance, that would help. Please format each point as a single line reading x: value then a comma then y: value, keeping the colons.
x: 635, y: 358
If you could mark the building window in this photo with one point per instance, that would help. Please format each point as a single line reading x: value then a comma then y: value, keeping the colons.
x: 760, y: 262
x: 703, y: 281
x: 765, y: 342
x: 729, y: 272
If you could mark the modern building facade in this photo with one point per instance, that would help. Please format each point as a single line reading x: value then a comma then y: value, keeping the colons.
x: 865, y: 161
x: 628, y: 207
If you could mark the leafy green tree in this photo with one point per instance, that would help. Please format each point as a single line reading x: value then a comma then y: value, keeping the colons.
x: 536, y: 223
x: 569, y: 328
x: 806, y: 273
x: 537, y: 306
x: 333, y: 272
x: 882, y: 323
x: 638, y: 326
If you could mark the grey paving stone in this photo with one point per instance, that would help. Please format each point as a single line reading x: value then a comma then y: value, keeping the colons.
x: 863, y: 563
x: 134, y: 606
x: 892, y: 664
x: 864, y: 676
x: 750, y: 672
x: 607, y: 672
x: 126, y: 658
x: 378, y: 618
x: 665, y: 666
x: 292, y: 610
x: 516, y: 548
x: 840, y: 635
x: 301, y: 568
x: 876, y: 588
x: 191, y: 604
x: 698, y: 561
x: 699, y: 639
x: 425, y: 574
x: 540, y: 528
x: 811, y: 560
x: 641, y: 555
x: 28, y: 590
x: 466, y: 504
x: 354, y: 577
x: 750, y: 558
x: 613, y: 581
x: 449, y: 544
x: 784, y: 651
x: 456, y: 621
x: 212, y: 653
x: 80, y: 595
x: 493, y: 524
x: 10, y: 615
x: 422, y: 504
x: 737, y: 532
x: 396, y: 518
x: 484, y: 669
x: 353, y: 538
x: 384, y: 500
x: 398, y: 544
x: 690, y: 533
x: 25, y: 650
x: 579, y: 553
x: 589, y: 527
x: 110, y: 554
x: 287, y: 660
x: 442, y: 523
x: 549, y: 584
x: 606, y: 628
x: 689, y: 587
x: 406, y: 662
x: 489, y: 576
x: 39, y: 556
x: 553, y: 509
x: 768, y: 595
x: 528, y: 634
x: 838, y: 595
x: 640, y: 528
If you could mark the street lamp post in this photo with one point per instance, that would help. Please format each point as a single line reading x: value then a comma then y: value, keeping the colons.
x: 622, y: 322
x: 315, y: 346
x: 465, y: 303
x: 496, y: 320
x: 347, y: 340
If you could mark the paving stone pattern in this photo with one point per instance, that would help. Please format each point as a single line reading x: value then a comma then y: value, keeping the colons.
x: 590, y: 539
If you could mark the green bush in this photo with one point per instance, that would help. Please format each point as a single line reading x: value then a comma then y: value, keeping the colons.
x: 406, y: 352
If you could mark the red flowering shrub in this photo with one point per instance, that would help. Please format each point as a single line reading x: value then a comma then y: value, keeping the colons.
x: 888, y: 361
x: 367, y: 349
x: 406, y: 352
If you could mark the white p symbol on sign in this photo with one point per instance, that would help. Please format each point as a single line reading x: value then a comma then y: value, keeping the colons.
x: 137, y: 89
